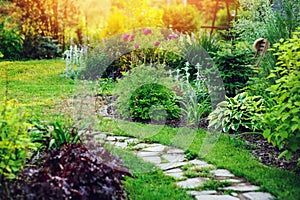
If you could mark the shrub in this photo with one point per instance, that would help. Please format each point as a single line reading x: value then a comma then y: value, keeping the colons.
x: 135, y: 79
x: 11, y: 43
x: 234, y: 63
x: 72, y: 172
x: 15, y: 142
x: 237, y: 114
x: 41, y: 47
x: 184, y: 19
x: 281, y: 122
x: 154, y: 101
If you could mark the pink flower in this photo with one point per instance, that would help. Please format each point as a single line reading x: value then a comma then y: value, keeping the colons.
x: 147, y: 31
x: 126, y: 37
x: 173, y: 36
x: 132, y: 36
x: 136, y: 46
x: 156, y: 43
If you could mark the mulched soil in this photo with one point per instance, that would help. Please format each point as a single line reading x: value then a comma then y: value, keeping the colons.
x: 267, y: 154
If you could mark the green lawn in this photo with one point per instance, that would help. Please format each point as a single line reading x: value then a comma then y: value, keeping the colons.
x: 39, y: 86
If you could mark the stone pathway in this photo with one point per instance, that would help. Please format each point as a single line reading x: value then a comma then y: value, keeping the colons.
x: 190, y: 174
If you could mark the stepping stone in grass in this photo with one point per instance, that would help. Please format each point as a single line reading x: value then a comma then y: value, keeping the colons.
x: 192, y: 182
x: 176, y: 173
x: 156, y: 148
x: 152, y: 159
x: 242, y: 188
x: 256, y: 196
x: 222, y: 173
x: 216, y: 197
x: 204, y: 192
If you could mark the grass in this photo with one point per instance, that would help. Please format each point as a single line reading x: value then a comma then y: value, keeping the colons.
x: 40, y: 87
x: 226, y: 153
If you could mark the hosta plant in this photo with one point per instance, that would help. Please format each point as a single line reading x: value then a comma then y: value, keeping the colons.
x: 239, y: 113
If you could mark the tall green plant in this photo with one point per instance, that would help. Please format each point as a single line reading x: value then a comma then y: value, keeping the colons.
x: 11, y: 43
x: 15, y: 142
x: 281, y: 123
x: 234, y: 63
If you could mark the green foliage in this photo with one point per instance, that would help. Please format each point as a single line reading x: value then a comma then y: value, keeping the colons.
x: 240, y: 113
x: 15, y: 142
x: 11, y: 43
x: 234, y: 63
x: 154, y: 101
x: 262, y: 19
x: 281, y: 122
x: 96, y: 62
x: 41, y: 47
x: 105, y: 86
x: 214, y: 185
x: 53, y: 135
x: 184, y: 19
x: 135, y: 79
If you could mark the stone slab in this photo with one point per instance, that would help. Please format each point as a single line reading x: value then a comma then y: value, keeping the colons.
x: 222, y: 173
x: 258, y: 196
x: 174, y: 150
x: 174, y: 157
x: 242, y: 188
x: 167, y: 166
x: 200, y: 163
x: 147, y: 154
x: 157, y: 148
x: 176, y: 173
x: 192, y: 182
x: 204, y: 192
x: 216, y: 197
x: 152, y: 159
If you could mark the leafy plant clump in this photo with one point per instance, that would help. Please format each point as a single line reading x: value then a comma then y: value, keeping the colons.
x: 281, y: 122
x: 135, y: 79
x: 154, y: 101
x: 72, y: 172
x: 15, y: 142
x: 240, y: 113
